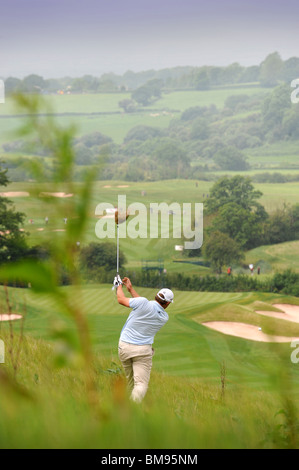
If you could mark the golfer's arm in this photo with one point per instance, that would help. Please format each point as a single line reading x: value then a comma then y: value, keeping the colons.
x: 133, y: 292
x: 121, y: 298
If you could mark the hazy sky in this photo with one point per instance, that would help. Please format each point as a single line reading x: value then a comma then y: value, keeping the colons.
x: 55, y: 38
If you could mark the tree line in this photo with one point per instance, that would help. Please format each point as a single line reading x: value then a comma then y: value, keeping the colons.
x: 236, y: 222
x: 272, y: 71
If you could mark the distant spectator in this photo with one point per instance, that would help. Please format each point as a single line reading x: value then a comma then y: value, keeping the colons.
x: 259, y: 270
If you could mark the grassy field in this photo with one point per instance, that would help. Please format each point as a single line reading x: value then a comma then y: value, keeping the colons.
x: 275, y: 257
x: 207, y: 390
x: 100, y: 112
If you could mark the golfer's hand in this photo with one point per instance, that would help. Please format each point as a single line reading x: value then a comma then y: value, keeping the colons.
x: 117, y: 281
x: 126, y: 281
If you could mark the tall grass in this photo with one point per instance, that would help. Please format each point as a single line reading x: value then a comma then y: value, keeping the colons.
x: 178, y: 412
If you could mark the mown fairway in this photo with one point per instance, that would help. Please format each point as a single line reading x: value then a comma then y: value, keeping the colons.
x: 184, y: 347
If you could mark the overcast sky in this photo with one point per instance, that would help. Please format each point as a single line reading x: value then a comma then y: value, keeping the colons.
x: 55, y: 38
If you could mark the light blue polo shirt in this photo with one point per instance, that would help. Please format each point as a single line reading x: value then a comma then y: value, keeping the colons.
x: 145, y: 320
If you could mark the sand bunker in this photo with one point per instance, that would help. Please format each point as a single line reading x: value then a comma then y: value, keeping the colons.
x: 289, y: 312
x: 7, y: 317
x: 243, y: 330
x: 15, y: 194
x: 55, y: 195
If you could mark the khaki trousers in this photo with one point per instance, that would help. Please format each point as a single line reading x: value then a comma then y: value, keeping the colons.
x: 137, y: 363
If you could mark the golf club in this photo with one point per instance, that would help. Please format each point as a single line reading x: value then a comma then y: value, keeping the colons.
x: 119, y: 219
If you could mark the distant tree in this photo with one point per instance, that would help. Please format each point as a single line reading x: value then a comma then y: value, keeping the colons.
x: 95, y: 138
x: 78, y: 85
x: 33, y: 84
x: 128, y: 105
x: 238, y: 189
x: 290, y: 128
x: 12, y: 241
x: 237, y: 213
x: 234, y: 100
x: 220, y: 250
x: 174, y: 158
x: 200, y: 129
x: 283, y: 225
x: 98, y: 257
x: 143, y: 133
x: 270, y: 70
x: 290, y: 69
x: 83, y: 154
x: 250, y: 74
x: 198, y: 111
x: 215, y: 76
x: 106, y: 86
x: 244, y: 226
x: 274, y: 107
x: 231, y: 159
x: 155, y: 86
x: 202, y: 81
x: 146, y: 93
x: 12, y: 85
x: 142, y: 95
x: 231, y: 74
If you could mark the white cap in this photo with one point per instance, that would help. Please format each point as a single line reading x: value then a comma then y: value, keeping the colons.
x: 166, y: 295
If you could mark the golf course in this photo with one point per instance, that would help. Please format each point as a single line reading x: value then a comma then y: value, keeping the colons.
x: 225, y: 369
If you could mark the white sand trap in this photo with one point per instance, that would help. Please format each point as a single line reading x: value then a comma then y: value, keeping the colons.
x: 59, y: 230
x: 289, y: 312
x: 107, y: 186
x: 15, y: 194
x: 6, y: 317
x: 245, y: 331
x: 40, y: 229
x: 55, y: 195
x: 123, y: 186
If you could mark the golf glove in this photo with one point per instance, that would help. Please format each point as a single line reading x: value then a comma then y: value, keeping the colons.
x: 117, y: 281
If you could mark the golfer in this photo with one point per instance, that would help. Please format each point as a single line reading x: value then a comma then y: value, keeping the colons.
x: 137, y: 336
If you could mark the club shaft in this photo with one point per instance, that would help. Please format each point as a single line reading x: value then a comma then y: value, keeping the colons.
x: 117, y: 251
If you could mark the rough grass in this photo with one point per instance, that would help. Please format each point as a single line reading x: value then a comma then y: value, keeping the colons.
x: 178, y: 412
x: 275, y: 257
